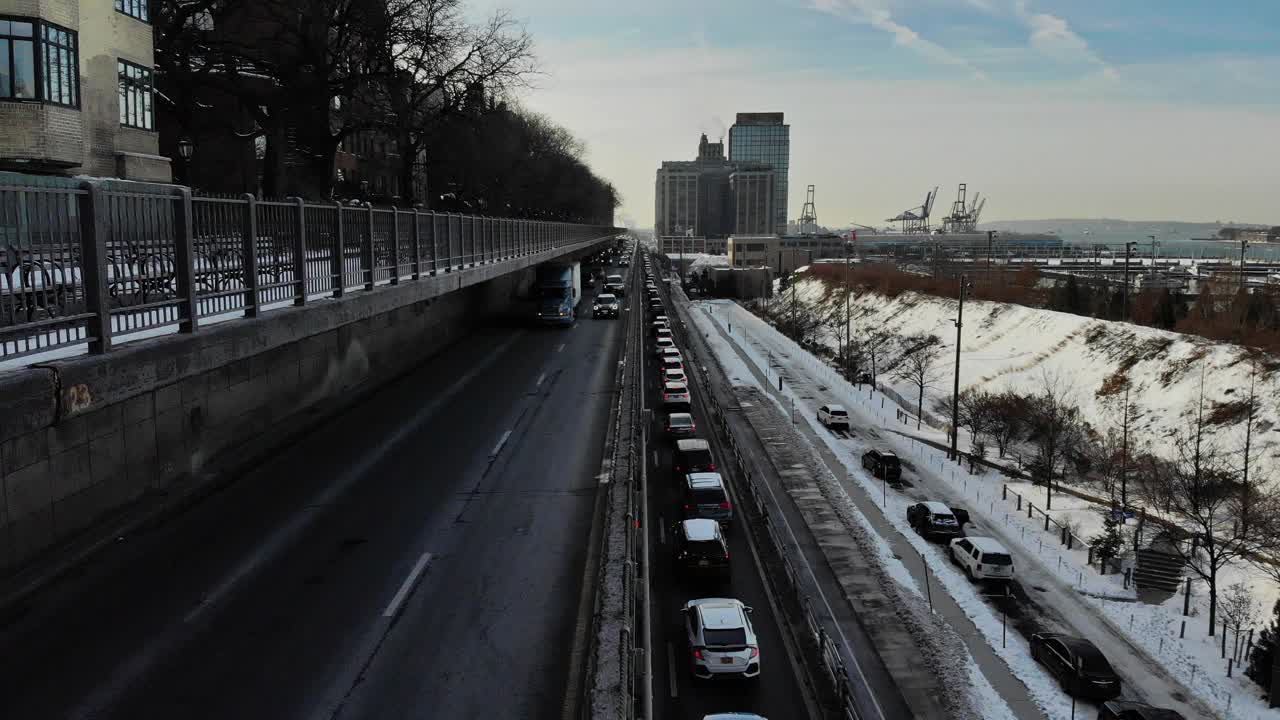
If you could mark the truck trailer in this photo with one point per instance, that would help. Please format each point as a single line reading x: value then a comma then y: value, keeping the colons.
x: 559, y: 291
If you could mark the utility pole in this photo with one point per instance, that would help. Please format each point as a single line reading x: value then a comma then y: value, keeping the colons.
x: 844, y: 353
x: 991, y: 237
x: 1154, y: 244
x: 955, y: 389
x: 1124, y: 303
x: 1243, y: 244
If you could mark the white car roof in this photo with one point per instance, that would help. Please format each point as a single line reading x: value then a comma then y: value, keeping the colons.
x: 606, y: 296
x: 681, y: 416
x: 986, y: 545
x: 701, y: 529
x: 666, y: 339
x: 705, y: 480
x: 692, y: 444
x: 720, y: 613
x: 675, y: 385
x: 937, y: 508
x: 833, y: 408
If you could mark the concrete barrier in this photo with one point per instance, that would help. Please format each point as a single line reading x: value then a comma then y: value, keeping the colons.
x: 83, y: 438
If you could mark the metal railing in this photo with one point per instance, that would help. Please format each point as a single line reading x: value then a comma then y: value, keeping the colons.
x: 95, y: 261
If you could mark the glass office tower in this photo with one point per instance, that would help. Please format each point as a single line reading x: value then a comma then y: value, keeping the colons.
x: 765, y: 138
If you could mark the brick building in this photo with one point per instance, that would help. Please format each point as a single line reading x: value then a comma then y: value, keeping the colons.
x: 76, y: 92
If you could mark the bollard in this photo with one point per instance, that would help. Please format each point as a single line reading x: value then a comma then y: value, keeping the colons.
x: 1161, y: 650
x: 1183, y: 632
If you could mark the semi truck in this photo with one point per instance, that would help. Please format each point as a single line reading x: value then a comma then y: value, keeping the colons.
x: 559, y: 291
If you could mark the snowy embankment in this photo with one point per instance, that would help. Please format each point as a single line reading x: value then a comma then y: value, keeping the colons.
x: 1139, y: 638
x: 1013, y: 347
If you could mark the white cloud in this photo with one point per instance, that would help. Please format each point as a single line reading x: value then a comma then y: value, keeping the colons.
x: 1053, y: 37
x: 876, y: 15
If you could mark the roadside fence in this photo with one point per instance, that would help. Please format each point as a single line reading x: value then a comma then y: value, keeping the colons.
x: 86, y: 262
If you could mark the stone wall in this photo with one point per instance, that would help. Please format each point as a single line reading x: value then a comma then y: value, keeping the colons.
x: 84, y: 438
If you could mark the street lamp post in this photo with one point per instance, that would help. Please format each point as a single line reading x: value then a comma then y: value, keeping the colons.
x: 186, y: 151
x: 955, y: 388
x: 1155, y: 244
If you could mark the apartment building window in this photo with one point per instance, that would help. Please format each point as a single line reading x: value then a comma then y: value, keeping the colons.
x: 134, y: 9
x: 136, y: 93
x: 38, y: 61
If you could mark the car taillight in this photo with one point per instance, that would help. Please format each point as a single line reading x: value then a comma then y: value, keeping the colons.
x: 697, y: 653
x: 755, y: 652
x: 679, y: 468
x: 726, y: 505
x: 687, y: 506
x: 711, y: 466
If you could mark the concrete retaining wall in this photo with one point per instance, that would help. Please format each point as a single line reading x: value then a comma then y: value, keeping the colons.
x: 84, y: 438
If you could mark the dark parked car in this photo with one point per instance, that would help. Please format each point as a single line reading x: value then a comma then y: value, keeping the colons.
x: 681, y: 425
x: 705, y: 497
x: 1126, y: 710
x: 692, y: 456
x: 1079, y: 666
x: 700, y: 548
x: 934, y: 521
x: 882, y: 464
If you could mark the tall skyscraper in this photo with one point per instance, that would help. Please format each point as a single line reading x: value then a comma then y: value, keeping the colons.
x: 765, y: 138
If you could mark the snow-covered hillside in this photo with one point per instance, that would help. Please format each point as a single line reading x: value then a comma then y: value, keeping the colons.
x: 1012, y: 347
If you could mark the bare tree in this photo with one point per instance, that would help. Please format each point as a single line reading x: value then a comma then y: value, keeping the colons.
x: 1206, y: 499
x: 438, y: 61
x: 916, y: 365
x: 1055, y: 427
x: 875, y: 342
x: 1239, y: 610
x: 1008, y: 420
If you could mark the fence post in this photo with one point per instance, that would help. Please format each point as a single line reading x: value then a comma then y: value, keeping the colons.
x: 184, y: 261
x: 300, y: 253
x: 417, y: 246
x: 395, y: 245
x: 435, y: 245
x: 448, y: 242
x: 338, y: 261
x: 366, y: 249
x: 252, y: 303
x: 93, y: 267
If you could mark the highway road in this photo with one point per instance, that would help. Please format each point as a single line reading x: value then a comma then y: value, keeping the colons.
x: 419, y: 556
x: 777, y: 694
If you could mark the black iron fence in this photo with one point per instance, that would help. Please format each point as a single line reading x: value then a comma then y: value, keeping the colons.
x: 95, y: 261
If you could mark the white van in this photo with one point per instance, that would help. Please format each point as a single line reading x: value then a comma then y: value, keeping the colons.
x: 982, y: 558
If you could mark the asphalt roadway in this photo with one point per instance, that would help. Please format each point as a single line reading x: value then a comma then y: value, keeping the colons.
x: 778, y: 693
x: 419, y: 556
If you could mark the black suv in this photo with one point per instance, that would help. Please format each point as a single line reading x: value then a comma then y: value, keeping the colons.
x: 705, y: 497
x: 1126, y: 710
x: 882, y: 464
x: 700, y: 549
x: 935, y: 521
x: 1079, y: 666
x: 692, y: 456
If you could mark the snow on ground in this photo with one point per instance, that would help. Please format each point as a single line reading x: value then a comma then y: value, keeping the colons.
x: 982, y: 694
x: 1008, y: 346
x: 1041, y: 561
x: 697, y: 262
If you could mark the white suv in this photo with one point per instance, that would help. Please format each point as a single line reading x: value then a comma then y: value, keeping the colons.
x: 982, y: 558
x: 722, y: 642
x: 834, y: 416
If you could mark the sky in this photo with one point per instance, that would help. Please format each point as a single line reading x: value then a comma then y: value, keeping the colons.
x: 1154, y: 110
